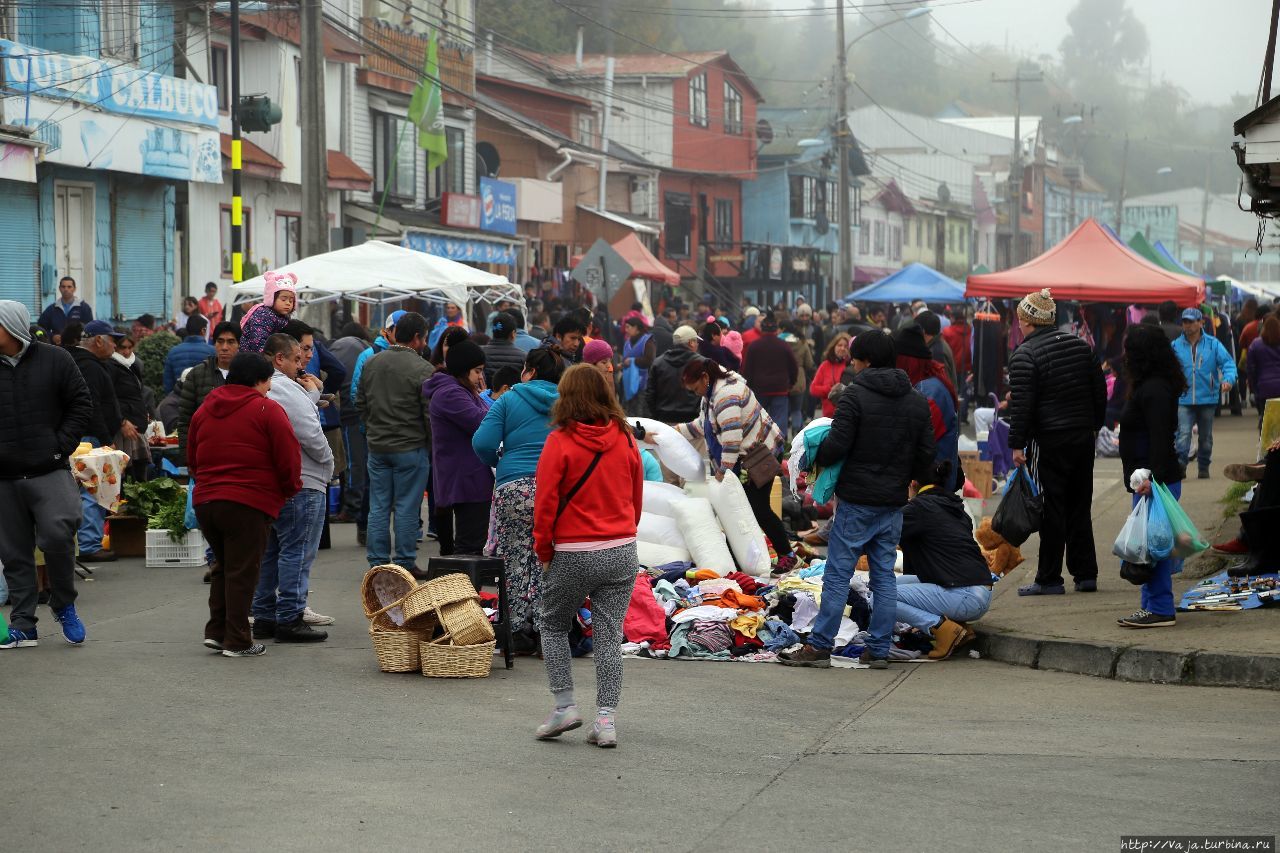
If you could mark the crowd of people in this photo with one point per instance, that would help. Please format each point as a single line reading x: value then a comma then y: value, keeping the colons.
x: 523, y: 436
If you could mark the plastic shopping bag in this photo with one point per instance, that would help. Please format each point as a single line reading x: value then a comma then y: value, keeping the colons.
x: 189, y: 519
x: 1018, y: 515
x: 630, y: 381
x: 1186, y: 539
x: 1131, y: 545
x: 1159, y: 531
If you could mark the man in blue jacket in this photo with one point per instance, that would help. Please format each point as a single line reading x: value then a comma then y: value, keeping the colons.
x: 193, y: 350
x: 1209, y: 371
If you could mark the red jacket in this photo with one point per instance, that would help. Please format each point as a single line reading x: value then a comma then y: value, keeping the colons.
x: 770, y: 366
x: 749, y: 337
x: 241, y: 448
x: 957, y: 337
x: 826, y: 377
x: 609, y: 502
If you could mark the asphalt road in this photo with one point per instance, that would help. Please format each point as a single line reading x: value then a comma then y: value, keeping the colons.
x: 141, y: 740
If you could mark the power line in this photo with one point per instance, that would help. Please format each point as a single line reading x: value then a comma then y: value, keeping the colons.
x: 749, y: 13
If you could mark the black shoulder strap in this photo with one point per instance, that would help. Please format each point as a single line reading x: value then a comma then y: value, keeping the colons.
x: 564, y: 501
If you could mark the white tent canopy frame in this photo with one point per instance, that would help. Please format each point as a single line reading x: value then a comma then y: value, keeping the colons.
x: 380, y: 273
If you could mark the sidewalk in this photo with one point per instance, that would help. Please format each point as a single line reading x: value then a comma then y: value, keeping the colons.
x: 1078, y: 632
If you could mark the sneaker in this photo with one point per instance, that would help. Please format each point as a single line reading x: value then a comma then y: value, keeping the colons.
x: 1147, y: 619
x: 1038, y: 589
x: 361, y: 537
x: 264, y: 629
x: 1090, y: 585
x: 785, y: 564
x: 814, y: 538
x: 20, y: 639
x: 213, y: 645
x: 874, y: 663
x: 72, y: 627
x: 299, y: 631
x: 1204, y: 474
x: 806, y: 655
x: 560, y: 721
x: 603, y: 734
x: 251, y: 652
x: 313, y: 618
x: 1233, y: 546
x: 1242, y: 472
x: 946, y: 639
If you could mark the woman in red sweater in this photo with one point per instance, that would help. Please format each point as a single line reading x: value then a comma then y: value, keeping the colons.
x: 245, y: 462
x: 586, y: 508
x: 834, y: 361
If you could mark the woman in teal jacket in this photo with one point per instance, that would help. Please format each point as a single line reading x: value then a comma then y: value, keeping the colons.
x: 1209, y: 370
x: 511, y: 438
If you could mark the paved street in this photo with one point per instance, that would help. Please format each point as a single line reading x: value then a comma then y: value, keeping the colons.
x: 141, y: 740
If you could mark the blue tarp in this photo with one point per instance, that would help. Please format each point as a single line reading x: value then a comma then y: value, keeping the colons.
x: 1182, y: 268
x: 916, y: 281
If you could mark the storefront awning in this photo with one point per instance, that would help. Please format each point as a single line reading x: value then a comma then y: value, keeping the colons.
x: 253, y: 160
x: 418, y: 230
x: 866, y: 275
x: 638, y: 227
x: 344, y: 174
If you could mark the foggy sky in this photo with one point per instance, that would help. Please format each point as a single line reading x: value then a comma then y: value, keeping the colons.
x: 1211, y: 48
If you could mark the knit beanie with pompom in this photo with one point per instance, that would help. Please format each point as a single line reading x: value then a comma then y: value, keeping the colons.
x: 1038, y: 308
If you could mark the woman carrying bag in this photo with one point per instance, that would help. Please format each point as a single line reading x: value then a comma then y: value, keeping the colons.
x: 586, y: 509
x: 1148, y: 426
x: 741, y: 440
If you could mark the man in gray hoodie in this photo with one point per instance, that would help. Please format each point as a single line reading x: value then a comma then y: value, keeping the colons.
x: 281, y: 597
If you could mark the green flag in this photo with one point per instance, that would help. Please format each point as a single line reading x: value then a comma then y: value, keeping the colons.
x: 426, y: 109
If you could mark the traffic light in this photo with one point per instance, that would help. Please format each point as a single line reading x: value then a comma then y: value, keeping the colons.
x: 257, y: 113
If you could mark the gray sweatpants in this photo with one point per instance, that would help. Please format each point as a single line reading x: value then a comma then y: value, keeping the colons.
x: 39, y: 512
x: 607, y: 577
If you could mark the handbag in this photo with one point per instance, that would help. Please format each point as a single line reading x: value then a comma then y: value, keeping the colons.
x: 761, y: 465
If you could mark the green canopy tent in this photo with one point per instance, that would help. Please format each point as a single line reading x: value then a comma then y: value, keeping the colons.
x: 1142, y: 246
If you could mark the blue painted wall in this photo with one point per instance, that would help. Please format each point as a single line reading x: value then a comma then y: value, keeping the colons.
x: 75, y: 29
x: 766, y: 214
x: 49, y: 271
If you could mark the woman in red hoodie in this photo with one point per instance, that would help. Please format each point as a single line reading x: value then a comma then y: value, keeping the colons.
x: 586, y: 508
x: 245, y: 461
x: 834, y: 361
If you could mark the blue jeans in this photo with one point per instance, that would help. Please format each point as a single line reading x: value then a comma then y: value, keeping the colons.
x: 858, y: 530
x: 93, y: 518
x: 921, y: 604
x: 1157, y: 593
x: 357, y: 470
x: 1202, y: 418
x: 779, y: 409
x: 396, y: 484
x: 286, y: 565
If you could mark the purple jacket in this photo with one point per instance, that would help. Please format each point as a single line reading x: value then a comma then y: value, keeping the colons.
x: 1263, y: 367
x: 457, y: 474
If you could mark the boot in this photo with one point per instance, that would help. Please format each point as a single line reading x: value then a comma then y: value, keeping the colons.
x: 299, y: 631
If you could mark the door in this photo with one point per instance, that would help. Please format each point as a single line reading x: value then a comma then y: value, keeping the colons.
x: 73, y: 224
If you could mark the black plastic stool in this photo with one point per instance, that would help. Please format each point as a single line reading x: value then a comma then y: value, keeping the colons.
x: 483, y: 571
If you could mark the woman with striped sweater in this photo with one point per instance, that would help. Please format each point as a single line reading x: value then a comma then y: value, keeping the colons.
x: 733, y: 422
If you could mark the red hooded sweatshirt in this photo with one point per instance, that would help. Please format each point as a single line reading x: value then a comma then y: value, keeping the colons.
x: 609, y: 502
x: 241, y: 448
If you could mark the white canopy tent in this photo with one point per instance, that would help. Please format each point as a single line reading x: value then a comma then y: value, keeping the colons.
x: 379, y: 273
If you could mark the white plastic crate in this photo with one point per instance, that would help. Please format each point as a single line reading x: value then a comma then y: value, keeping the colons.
x: 164, y: 553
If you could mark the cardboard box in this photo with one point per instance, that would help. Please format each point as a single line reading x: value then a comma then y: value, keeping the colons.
x: 128, y: 535
x: 978, y: 471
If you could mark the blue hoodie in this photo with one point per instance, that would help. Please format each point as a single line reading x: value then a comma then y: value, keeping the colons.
x: 380, y: 343
x: 519, y: 421
x: 1206, y: 368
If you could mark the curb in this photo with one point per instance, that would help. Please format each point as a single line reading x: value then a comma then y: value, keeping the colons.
x: 1133, y: 662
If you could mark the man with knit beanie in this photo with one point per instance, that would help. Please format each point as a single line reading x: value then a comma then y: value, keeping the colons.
x: 1057, y: 404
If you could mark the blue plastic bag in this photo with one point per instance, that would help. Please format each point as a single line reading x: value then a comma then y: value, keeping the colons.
x: 1159, y: 531
x: 189, y: 519
x: 630, y: 381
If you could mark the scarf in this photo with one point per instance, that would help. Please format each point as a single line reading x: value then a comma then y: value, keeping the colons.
x: 127, y: 362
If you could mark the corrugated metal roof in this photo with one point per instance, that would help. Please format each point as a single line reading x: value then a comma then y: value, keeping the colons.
x: 888, y: 130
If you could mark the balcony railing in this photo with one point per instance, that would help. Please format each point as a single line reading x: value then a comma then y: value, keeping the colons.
x: 408, y: 51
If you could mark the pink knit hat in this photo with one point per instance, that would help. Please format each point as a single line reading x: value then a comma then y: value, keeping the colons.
x: 596, y: 351
x: 732, y: 341
x: 275, y: 283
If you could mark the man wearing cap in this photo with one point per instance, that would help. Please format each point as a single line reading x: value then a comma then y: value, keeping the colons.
x: 45, y: 409
x: 1057, y: 404
x: 931, y: 324
x: 665, y: 396
x: 1209, y: 371
x: 98, y: 345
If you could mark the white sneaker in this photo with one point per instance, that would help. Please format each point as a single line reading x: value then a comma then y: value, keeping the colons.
x: 311, y: 617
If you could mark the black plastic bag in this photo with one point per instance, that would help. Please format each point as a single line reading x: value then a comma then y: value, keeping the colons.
x: 1018, y: 515
x: 1136, y: 573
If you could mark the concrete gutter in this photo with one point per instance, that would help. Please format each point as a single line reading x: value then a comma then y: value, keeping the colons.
x: 1133, y: 662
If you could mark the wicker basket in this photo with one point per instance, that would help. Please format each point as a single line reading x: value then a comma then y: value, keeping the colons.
x: 464, y: 623
x: 397, y: 651
x: 382, y: 590
x: 437, y: 593
x: 446, y: 661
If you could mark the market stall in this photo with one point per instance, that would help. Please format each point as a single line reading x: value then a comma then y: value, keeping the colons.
x: 914, y: 281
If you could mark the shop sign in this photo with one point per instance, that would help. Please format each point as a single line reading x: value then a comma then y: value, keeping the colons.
x: 460, y: 211
x: 497, y: 206
x: 108, y: 86
x: 726, y: 259
x: 799, y: 264
x: 775, y: 263
x: 461, y: 249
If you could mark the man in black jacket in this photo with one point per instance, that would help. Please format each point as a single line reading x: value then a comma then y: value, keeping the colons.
x: 96, y: 348
x: 771, y: 371
x: 1057, y: 404
x: 883, y: 435
x: 665, y: 396
x: 44, y: 410
x: 204, y: 377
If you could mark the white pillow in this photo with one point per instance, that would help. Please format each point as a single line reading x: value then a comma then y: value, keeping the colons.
x: 660, y: 530
x: 746, y: 539
x: 674, y: 449
x: 658, y: 497
x: 650, y: 554
x: 703, y: 536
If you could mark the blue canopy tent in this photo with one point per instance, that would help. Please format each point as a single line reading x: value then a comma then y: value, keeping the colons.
x: 915, y: 281
x: 1162, y: 250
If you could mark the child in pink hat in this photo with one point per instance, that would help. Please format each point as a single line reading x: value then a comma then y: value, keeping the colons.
x: 279, y: 299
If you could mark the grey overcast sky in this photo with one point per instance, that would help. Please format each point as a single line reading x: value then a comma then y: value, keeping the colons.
x: 1211, y: 48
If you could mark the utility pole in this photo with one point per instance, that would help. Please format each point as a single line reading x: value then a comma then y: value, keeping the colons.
x: 237, y: 201
x: 604, y: 132
x: 844, y: 273
x: 315, y: 170
x: 1124, y: 169
x: 1015, y: 169
x: 1204, y: 212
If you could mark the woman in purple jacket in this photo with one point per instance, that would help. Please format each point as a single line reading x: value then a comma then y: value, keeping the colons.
x: 463, y: 484
x: 1263, y: 365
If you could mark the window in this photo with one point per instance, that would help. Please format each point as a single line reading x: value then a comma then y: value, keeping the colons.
x: 879, y: 239
x: 833, y: 190
x: 806, y: 195
x: 797, y: 197
x: 724, y: 221
x: 732, y: 110
x: 219, y: 76
x: 587, y: 129
x: 677, y: 223
x: 864, y: 241
x: 453, y: 178
x: 288, y: 238
x: 224, y: 236
x: 119, y: 20
x: 698, y: 100
x: 395, y: 145
x: 896, y: 242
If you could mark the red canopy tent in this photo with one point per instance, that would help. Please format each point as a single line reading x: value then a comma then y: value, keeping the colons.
x: 1091, y: 266
x: 643, y: 263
